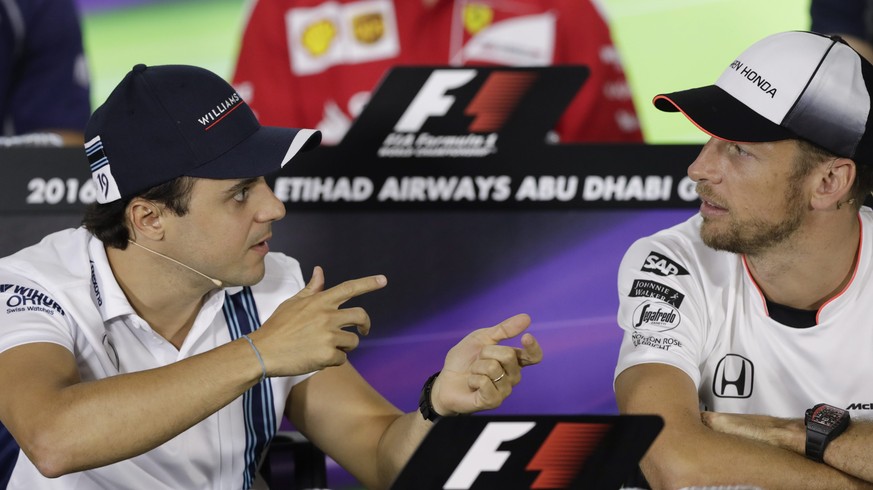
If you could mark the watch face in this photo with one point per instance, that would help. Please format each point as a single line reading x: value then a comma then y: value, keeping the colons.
x: 827, y: 415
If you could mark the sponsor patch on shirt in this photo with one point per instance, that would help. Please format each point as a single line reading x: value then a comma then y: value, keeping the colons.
x: 18, y: 299
x: 650, y: 289
x: 656, y: 341
x: 655, y: 316
x: 662, y: 266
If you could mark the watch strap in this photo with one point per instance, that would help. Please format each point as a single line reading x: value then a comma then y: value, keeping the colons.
x: 425, y: 406
x: 816, y: 442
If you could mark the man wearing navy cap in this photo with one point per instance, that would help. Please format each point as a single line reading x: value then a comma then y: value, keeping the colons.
x: 747, y: 327
x: 160, y: 345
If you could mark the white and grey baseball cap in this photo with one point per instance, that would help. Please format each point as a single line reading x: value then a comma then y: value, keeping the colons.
x: 789, y: 85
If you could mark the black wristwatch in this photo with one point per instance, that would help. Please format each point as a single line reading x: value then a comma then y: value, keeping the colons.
x: 823, y: 423
x: 424, y: 404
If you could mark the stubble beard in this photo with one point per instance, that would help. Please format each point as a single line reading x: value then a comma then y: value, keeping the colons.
x: 754, y: 236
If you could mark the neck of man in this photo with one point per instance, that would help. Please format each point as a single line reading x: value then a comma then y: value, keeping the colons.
x: 813, y: 265
x: 167, y: 296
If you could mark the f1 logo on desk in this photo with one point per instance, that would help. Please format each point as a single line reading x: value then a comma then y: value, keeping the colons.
x: 558, y: 459
x: 490, y: 107
x: 464, y: 112
x: 529, y: 452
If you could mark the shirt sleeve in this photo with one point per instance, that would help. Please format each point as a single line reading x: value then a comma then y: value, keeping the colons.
x: 661, y: 308
x: 29, y: 315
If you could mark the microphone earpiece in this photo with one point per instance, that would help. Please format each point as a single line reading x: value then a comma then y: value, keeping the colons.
x: 214, y: 281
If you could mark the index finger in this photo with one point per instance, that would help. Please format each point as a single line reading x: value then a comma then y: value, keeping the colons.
x: 347, y: 290
x: 508, y: 328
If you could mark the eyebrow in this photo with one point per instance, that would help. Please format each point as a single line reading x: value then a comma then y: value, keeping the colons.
x: 242, y: 184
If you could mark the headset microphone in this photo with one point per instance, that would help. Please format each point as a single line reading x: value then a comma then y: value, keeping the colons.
x: 214, y: 281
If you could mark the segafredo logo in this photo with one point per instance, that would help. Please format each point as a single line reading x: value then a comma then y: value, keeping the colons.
x: 655, y: 316
x: 220, y: 111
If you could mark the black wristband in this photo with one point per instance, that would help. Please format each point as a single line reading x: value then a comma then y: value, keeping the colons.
x: 424, y: 403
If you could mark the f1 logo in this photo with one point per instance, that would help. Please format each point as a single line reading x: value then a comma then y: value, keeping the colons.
x: 558, y: 459
x: 431, y: 100
x: 492, y: 105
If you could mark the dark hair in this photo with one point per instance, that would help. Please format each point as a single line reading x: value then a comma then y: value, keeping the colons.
x: 108, y: 222
x: 811, y: 155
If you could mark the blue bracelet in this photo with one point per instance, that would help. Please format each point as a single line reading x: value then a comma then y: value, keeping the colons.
x: 260, y: 359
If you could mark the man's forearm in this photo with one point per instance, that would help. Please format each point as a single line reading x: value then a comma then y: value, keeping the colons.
x: 400, y: 440
x: 850, y: 452
x: 722, y: 459
x: 91, y: 424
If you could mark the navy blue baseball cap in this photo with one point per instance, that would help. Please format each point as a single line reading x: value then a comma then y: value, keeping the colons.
x: 164, y: 122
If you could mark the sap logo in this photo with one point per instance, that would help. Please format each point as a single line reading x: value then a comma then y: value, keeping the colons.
x: 490, y: 107
x: 558, y: 460
x: 655, y: 316
x: 662, y: 266
x: 734, y: 377
x: 860, y: 406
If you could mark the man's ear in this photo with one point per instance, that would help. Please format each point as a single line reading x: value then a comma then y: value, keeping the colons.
x: 834, y: 185
x: 144, y: 218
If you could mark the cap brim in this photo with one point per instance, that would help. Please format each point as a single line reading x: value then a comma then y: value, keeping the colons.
x: 720, y: 115
x: 264, y: 152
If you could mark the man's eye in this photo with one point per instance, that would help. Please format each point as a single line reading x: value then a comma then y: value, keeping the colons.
x: 242, y: 195
x: 740, y: 151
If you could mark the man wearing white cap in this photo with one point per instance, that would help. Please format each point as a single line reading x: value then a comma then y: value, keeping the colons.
x: 759, y: 305
x: 159, y: 346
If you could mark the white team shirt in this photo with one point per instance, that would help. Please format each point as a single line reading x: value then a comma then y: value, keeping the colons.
x: 63, y: 291
x: 698, y: 309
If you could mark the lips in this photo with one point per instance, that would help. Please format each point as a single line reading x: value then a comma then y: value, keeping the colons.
x: 708, y: 201
x: 710, y: 204
x: 262, y: 246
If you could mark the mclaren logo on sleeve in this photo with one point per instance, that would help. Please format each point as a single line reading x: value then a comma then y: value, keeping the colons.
x: 662, y: 266
x: 734, y: 377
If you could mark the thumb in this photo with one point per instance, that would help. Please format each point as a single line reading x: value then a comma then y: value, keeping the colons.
x: 315, y: 284
x: 508, y: 328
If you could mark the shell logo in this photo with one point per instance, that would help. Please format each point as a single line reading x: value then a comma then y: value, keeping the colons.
x: 477, y: 16
x: 318, y: 37
x: 368, y: 28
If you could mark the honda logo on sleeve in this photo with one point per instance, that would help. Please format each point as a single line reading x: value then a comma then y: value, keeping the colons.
x: 734, y: 377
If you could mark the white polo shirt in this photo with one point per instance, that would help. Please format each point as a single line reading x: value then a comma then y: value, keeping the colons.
x: 698, y: 309
x: 63, y: 291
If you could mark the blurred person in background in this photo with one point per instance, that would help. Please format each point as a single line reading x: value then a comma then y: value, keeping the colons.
x: 314, y: 63
x: 851, y: 19
x: 44, y: 83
